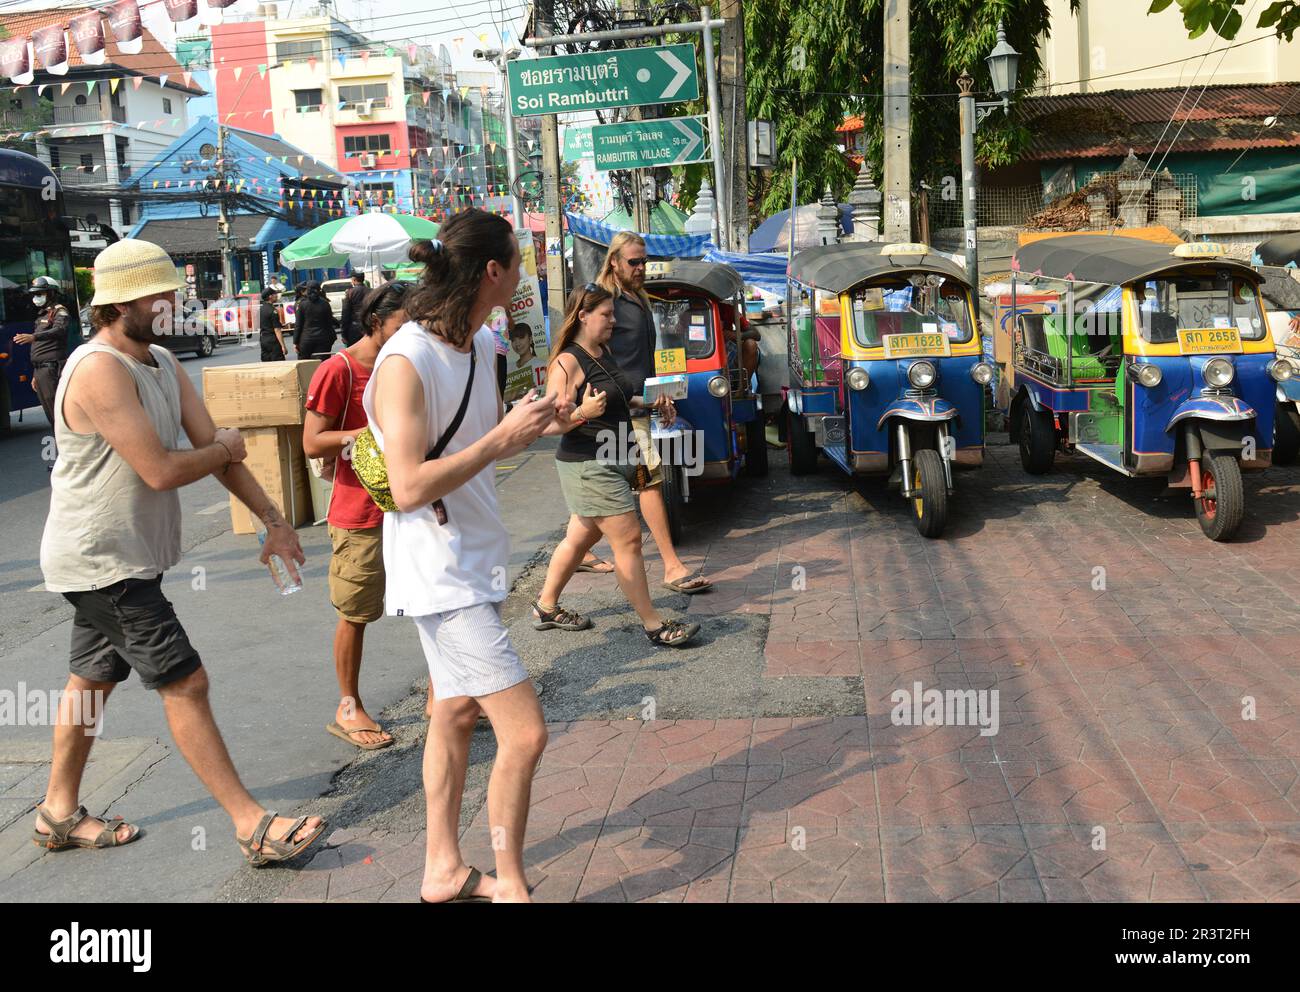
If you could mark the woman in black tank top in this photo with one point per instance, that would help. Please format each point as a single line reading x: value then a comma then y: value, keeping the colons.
x: 597, y: 460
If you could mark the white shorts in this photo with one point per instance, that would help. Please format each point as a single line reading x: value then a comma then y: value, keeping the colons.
x: 469, y: 652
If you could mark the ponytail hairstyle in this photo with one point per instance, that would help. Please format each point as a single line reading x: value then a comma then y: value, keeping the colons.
x: 581, y: 301
x: 454, y: 264
x: 381, y: 303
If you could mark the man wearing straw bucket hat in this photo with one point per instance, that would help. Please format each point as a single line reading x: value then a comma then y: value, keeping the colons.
x: 114, y: 528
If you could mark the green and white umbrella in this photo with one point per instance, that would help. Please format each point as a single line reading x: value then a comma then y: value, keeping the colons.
x: 365, y: 241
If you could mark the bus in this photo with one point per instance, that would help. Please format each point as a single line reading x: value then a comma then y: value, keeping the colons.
x: 34, y: 241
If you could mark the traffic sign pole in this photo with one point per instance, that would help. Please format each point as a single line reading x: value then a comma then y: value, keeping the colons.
x: 715, y: 129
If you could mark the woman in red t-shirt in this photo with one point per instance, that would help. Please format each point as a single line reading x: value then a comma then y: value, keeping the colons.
x: 356, y: 580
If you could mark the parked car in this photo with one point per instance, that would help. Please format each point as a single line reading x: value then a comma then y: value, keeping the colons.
x: 334, y: 290
x: 197, y: 333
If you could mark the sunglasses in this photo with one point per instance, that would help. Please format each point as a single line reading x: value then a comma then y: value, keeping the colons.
x: 636, y: 263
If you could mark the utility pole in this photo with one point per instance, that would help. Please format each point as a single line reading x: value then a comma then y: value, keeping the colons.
x: 640, y: 208
x: 736, y: 126
x: 967, y: 114
x: 555, y: 287
x: 499, y: 59
x: 898, y: 137
x: 223, y: 221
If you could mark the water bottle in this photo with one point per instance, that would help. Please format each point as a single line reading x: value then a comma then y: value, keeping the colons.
x: 282, y: 577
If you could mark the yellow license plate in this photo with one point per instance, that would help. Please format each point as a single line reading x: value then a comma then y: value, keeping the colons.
x: 916, y: 345
x: 670, y: 361
x: 1209, y: 341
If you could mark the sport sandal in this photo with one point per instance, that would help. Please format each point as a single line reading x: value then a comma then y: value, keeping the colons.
x: 673, y: 633
x: 558, y: 618
x: 274, y: 851
x: 60, y: 835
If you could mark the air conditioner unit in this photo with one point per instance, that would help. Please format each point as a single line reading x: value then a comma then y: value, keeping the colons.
x: 365, y: 108
x: 368, y: 160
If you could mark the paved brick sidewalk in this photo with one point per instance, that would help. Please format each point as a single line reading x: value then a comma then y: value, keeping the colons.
x: 1127, y: 653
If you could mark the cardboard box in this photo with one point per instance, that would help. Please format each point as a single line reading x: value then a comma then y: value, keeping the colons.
x: 276, y: 460
x: 266, y: 394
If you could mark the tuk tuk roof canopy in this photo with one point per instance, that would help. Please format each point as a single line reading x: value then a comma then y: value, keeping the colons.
x: 838, y: 268
x: 715, y: 279
x: 1111, y: 259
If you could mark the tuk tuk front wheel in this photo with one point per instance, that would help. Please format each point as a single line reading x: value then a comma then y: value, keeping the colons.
x: 930, y: 504
x: 755, y: 446
x: 1223, y: 502
x: 1037, y: 440
x: 803, y: 449
x: 673, y: 500
x: 1286, y: 434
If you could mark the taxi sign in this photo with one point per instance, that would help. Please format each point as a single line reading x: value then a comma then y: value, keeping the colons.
x: 928, y: 344
x: 670, y: 361
x: 1200, y: 249
x: 905, y: 248
x: 658, y: 270
x: 1209, y: 341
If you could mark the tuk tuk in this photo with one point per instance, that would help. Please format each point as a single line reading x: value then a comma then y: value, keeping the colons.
x: 698, y: 311
x: 1150, y: 361
x: 886, y: 370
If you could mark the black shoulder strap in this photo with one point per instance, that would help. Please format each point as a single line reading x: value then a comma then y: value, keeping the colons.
x: 460, y: 414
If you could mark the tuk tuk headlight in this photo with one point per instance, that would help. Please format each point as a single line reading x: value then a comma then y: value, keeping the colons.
x: 922, y: 374
x: 982, y: 373
x: 859, y: 379
x: 1147, y: 375
x: 1281, y: 369
x: 1218, y: 372
x: 718, y: 386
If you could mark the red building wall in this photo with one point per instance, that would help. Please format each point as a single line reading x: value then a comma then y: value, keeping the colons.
x: 243, y: 45
x: 397, y: 142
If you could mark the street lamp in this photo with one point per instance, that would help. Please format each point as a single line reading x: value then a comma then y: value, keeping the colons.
x: 499, y: 58
x: 1003, y: 63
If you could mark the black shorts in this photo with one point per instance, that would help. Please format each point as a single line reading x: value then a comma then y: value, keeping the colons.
x: 129, y: 625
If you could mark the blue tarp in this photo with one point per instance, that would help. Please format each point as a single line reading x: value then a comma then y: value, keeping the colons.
x: 664, y: 245
x: 765, y: 270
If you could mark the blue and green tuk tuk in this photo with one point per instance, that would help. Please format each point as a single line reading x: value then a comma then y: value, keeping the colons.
x: 1150, y: 360
x: 886, y: 369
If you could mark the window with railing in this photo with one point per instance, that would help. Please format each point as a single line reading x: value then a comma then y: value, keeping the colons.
x: 307, y: 101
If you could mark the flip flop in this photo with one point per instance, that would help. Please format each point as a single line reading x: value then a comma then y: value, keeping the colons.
x: 597, y: 565
x: 681, y: 585
x: 346, y: 735
x: 464, y: 895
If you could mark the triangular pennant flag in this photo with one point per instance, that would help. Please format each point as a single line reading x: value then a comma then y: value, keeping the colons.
x: 63, y: 88
x: 136, y: 81
x: 41, y: 89
x: 239, y: 71
x: 425, y: 94
x: 162, y: 80
x: 261, y: 69
x: 186, y: 76
x: 312, y: 63
x: 112, y: 84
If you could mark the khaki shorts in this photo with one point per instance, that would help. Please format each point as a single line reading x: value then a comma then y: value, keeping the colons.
x: 592, y: 489
x: 357, y: 573
x: 649, y: 453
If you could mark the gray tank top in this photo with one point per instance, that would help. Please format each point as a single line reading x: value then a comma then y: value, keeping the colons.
x: 105, y: 523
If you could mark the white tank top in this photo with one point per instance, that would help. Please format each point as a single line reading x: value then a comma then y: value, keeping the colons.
x: 432, y: 567
x: 105, y: 523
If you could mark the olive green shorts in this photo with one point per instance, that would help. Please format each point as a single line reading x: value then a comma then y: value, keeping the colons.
x: 356, y: 577
x: 595, y: 490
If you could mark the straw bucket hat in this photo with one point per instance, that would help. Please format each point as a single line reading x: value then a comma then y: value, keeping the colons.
x: 130, y: 269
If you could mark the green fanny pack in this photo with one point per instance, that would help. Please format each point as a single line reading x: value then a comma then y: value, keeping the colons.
x: 372, y: 471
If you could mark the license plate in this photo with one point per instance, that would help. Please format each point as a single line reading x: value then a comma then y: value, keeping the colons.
x: 917, y: 345
x: 669, y: 361
x: 1209, y: 341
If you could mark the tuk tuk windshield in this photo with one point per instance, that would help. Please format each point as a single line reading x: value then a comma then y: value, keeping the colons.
x: 1176, y: 303
x: 684, y: 324
x: 922, y: 303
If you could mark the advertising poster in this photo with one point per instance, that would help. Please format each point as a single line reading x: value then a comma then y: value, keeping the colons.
x: 16, y: 61
x: 181, y: 10
x: 51, y: 47
x: 526, y: 330
x: 87, y: 32
x: 128, y: 31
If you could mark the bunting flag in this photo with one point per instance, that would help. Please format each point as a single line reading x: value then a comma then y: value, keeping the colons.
x: 112, y: 84
x: 162, y: 80
x: 136, y: 81
x: 261, y: 69
x: 186, y: 77
x: 311, y: 63
x: 239, y: 71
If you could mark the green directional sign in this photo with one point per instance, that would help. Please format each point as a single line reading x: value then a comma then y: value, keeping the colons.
x: 577, y: 142
x: 621, y: 77
x: 646, y: 144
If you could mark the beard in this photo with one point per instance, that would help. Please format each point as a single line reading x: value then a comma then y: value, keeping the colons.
x: 141, y: 323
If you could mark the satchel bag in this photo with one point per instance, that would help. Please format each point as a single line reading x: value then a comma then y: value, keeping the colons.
x: 323, y: 468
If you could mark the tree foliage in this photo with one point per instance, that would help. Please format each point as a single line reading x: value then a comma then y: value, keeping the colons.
x: 1225, y: 19
x: 811, y: 65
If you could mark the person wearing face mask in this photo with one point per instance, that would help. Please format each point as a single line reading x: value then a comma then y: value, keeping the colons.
x: 49, y: 341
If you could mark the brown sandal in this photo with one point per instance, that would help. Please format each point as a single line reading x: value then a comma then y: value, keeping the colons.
x: 60, y: 835
x: 466, y: 893
x: 270, y: 851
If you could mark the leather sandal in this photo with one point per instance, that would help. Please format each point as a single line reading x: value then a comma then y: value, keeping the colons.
x: 673, y: 634
x: 274, y: 851
x: 558, y: 618
x: 60, y: 835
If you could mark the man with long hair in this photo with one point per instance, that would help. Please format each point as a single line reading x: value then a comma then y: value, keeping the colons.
x: 633, y: 346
